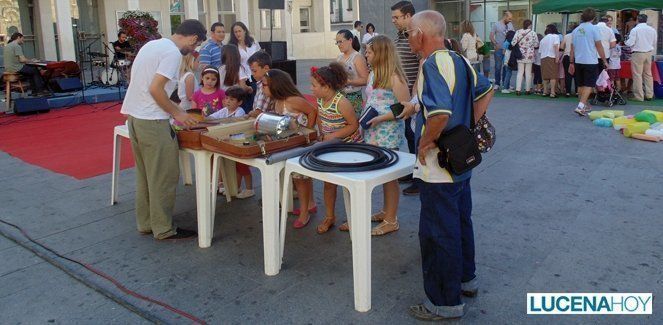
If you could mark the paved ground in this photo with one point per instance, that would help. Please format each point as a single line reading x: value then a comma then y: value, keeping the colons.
x: 559, y: 206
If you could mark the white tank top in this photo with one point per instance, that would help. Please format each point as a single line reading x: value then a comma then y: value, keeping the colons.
x: 351, y: 69
x: 185, y: 103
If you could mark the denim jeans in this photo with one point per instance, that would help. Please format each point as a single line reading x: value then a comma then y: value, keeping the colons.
x: 34, y: 77
x: 499, y: 62
x: 506, y: 77
x: 446, y: 238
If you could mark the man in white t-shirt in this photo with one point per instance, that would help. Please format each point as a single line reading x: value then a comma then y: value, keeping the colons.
x: 608, y: 39
x: 154, y: 144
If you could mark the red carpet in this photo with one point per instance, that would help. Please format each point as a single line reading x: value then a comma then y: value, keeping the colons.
x: 77, y: 142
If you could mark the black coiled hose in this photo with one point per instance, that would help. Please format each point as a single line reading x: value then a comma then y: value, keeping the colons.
x: 382, y: 158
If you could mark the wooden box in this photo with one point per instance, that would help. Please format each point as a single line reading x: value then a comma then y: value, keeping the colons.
x: 190, y: 138
x: 223, y: 139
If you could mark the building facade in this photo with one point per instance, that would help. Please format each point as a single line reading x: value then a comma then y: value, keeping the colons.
x: 64, y: 29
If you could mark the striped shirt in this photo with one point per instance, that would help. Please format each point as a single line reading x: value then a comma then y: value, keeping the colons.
x: 331, y: 119
x: 262, y: 101
x: 409, y: 60
x: 210, y: 54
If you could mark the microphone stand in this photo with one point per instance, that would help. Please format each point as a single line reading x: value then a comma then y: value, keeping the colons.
x: 78, y: 38
x: 87, y: 50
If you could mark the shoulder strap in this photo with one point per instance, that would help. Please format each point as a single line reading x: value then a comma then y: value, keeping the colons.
x: 470, y: 85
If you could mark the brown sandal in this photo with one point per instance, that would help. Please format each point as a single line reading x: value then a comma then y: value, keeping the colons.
x: 344, y: 227
x: 384, y: 228
x: 326, y: 224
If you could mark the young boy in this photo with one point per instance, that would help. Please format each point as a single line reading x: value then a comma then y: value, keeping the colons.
x: 231, y: 104
x: 232, y: 108
x: 260, y: 63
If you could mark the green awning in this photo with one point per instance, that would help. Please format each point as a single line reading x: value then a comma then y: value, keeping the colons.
x: 568, y: 6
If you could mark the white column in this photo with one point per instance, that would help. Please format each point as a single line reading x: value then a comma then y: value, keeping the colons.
x: 288, y: 29
x: 65, y: 30
x: 132, y: 4
x: 242, y: 12
x: 191, y: 9
x: 326, y: 10
x: 46, y: 33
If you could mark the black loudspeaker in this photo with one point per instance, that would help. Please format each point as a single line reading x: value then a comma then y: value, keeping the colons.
x: 278, y: 50
x: 271, y: 4
x: 66, y: 84
x: 30, y: 104
x: 289, y: 66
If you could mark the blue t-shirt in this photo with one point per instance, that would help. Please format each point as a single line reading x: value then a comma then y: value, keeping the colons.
x: 444, y: 89
x: 585, y: 37
x: 210, y: 54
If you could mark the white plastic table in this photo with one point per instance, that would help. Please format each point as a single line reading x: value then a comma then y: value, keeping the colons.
x: 358, y: 188
x: 270, y: 176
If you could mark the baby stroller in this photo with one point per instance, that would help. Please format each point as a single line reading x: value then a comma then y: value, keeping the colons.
x: 606, y: 93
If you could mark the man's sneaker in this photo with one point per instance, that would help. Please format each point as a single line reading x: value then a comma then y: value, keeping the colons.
x: 420, y: 312
x: 411, y: 190
x: 182, y: 234
x: 470, y: 288
x: 580, y: 111
x: 496, y: 87
x: 506, y: 91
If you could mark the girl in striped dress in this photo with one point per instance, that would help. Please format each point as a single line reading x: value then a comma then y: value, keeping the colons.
x: 336, y: 120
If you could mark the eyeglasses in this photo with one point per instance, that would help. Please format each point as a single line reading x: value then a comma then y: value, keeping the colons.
x: 396, y: 17
x: 339, y: 42
x: 409, y: 32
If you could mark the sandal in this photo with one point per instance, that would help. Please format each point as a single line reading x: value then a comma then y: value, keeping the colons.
x: 344, y: 227
x: 326, y: 224
x: 298, y: 211
x: 378, y: 217
x: 384, y: 228
x: 299, y: 225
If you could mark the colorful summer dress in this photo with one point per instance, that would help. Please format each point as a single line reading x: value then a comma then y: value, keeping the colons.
x: 388, y: 134
x: 331, y: 120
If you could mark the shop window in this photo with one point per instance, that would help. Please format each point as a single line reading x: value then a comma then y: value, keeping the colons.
x: 544, y: 20
x: 266, y: 16
x: 341, y: 11
x: 202, y: 12
x: 176, y: 14
x: 454, y: 13
x: 226, y: 13
x: 304, y: 20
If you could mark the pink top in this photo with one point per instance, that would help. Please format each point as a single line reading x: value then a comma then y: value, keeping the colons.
x: 209, y: 103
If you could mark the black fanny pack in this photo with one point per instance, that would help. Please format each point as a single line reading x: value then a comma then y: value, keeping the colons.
x: 459, y: 152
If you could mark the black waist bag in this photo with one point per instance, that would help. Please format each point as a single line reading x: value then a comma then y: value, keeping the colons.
x: 459, y: 152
